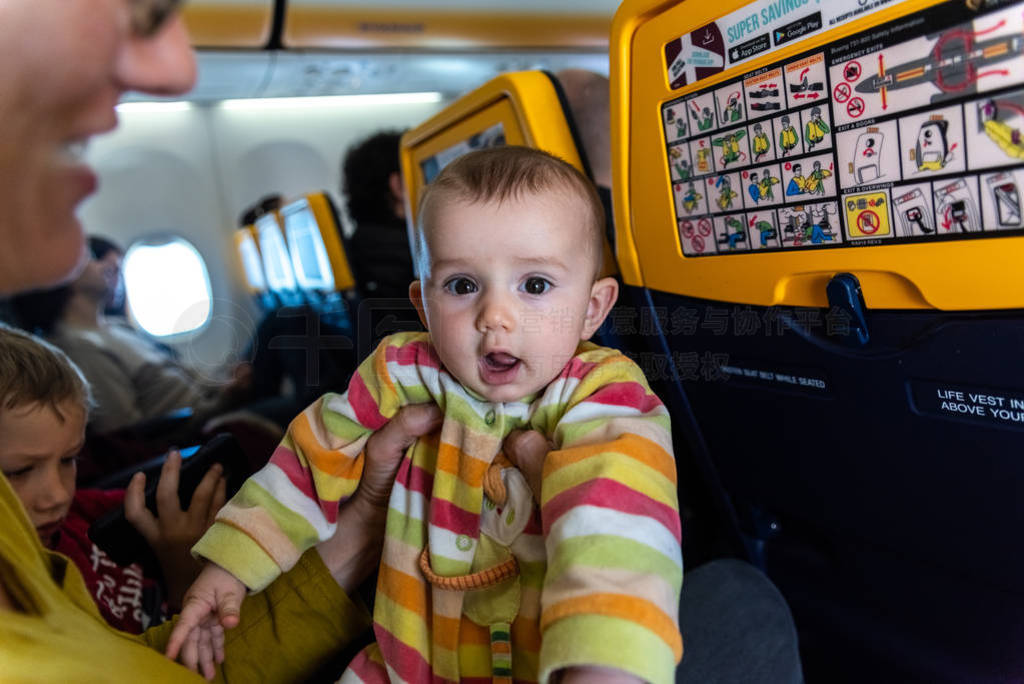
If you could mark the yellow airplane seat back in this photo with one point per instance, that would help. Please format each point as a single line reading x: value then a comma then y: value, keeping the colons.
x: 519, y: 108
x: 823, y: 204
x: 767, y: 138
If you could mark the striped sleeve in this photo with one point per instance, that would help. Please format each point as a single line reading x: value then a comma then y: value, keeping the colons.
x: 292, y: 503
x: 611, y: 524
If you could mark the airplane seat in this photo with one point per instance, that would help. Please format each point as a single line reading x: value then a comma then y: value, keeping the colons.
x: 522, y: 108
x: 848, y: 370
x: 310, y: 339
x: 276, y: 260
x: 109, y: 452
x: 247, y: 247
x: 313, y: 233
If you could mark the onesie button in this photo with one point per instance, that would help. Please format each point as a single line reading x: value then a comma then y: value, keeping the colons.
x: 489, y: 418
x: 463, y: 543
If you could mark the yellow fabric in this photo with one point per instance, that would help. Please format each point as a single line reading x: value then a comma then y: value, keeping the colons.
x: 59, y: 635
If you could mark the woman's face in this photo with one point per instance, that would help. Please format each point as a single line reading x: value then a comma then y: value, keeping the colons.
x: 65, y: 65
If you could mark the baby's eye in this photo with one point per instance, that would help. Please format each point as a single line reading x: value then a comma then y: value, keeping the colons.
x: 460, y: 286
x: 536, y: 286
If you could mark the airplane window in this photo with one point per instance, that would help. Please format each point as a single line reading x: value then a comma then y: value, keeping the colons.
x: 168, y: 287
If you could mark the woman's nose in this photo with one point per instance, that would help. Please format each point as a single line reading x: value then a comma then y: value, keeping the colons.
x: 159, y: 64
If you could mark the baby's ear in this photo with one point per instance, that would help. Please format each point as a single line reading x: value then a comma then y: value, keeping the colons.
x: 416, y: 297
x: 603, y: 294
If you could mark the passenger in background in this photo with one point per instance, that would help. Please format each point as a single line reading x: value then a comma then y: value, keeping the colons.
x: 265, y: 205
x: 43, y: 411
x: 378, y: 250
x: 133, y: 378
x: 375, y: 199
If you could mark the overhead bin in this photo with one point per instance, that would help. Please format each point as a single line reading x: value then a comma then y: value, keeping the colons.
x: 447, y: 24
x: 229, y: 23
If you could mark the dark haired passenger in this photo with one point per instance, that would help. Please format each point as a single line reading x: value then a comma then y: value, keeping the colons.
x: 374, y: 194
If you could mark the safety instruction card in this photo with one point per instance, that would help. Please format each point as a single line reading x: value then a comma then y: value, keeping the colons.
x: 907, y: 132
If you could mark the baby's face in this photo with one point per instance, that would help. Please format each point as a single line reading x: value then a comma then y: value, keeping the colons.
x: 38, y: 455
x: 510, y: 291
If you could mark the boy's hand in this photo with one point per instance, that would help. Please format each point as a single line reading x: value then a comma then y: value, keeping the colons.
x: 211, y: 605
x: 173, y: 532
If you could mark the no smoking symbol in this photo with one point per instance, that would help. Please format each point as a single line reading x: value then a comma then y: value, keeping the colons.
x: 842, y: 92
x: 867, y: 222
x: 704, y: 227
x: 855, y: 107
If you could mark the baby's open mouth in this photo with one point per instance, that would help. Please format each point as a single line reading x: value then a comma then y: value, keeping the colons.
x: 500, y: 361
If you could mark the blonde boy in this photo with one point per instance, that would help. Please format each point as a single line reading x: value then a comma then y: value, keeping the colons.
x: 44, y: 406
x: 476, y: 582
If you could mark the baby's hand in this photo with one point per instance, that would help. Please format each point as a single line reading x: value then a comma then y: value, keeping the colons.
x: 210, y: 606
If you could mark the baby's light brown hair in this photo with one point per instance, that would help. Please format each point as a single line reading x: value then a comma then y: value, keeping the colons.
x: 35, y: 372
x: 511, y: 172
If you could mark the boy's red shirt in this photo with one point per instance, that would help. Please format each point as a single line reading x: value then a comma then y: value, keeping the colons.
x: 127, y: 599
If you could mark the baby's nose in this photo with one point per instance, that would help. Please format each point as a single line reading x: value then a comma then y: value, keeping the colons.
x: 495, y: 314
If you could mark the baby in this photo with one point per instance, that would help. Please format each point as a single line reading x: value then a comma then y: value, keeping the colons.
x: 476, y: 582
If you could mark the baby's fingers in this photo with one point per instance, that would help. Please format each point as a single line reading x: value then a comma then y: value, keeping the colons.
x: 218, y: 643
x: 192, y: 615
x: 205, y: 653
x: 190, y: 650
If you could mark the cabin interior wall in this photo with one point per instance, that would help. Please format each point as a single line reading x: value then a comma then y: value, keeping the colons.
x: 191, y: 172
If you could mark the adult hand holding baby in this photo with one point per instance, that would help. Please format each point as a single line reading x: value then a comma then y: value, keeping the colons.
x: 213, y: 602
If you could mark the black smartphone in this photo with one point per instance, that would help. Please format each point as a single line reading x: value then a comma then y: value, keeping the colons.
x: 114, y: 534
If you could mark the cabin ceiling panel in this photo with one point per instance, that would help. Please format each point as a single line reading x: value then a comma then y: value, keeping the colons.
x: 308, y: 74
x: 224, y: 75
x: 447, y: 24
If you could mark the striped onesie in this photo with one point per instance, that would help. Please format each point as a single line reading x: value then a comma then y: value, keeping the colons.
x: 591, y: 578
